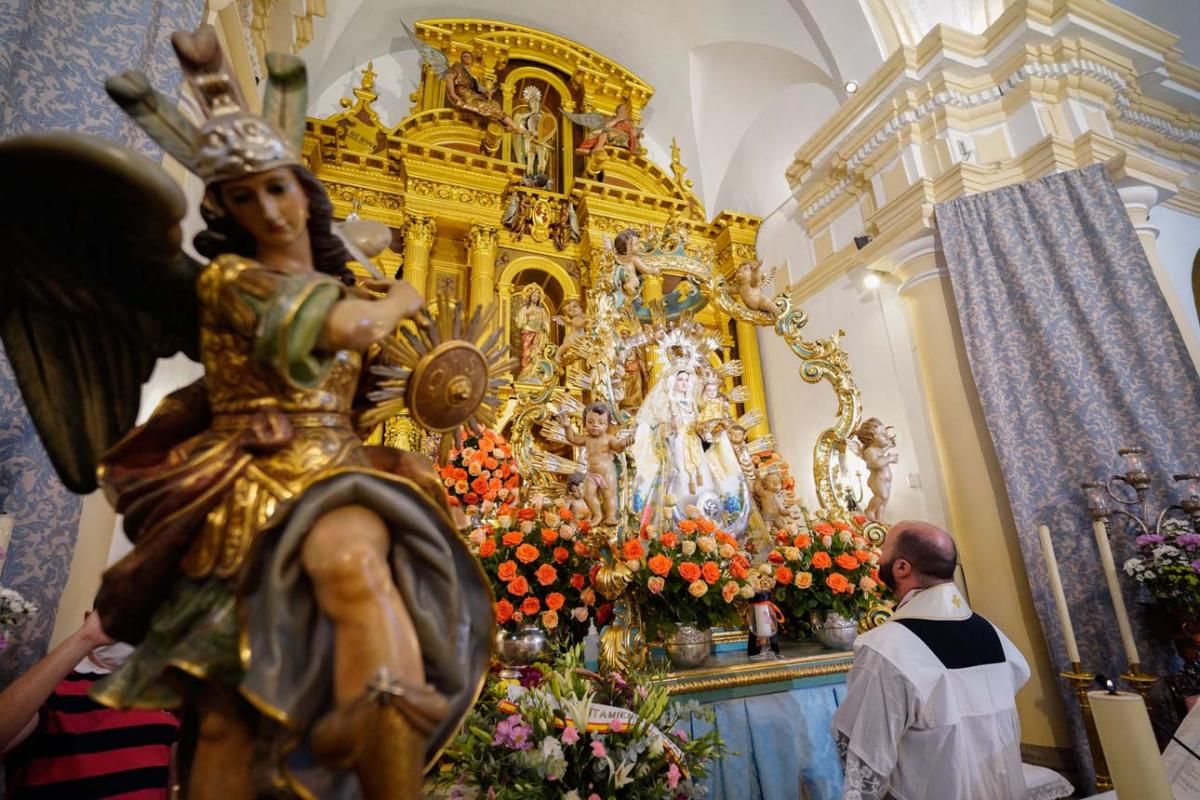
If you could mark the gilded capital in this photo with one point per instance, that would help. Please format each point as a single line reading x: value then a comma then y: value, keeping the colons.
x: 482, y: 239
x: 420, y: 230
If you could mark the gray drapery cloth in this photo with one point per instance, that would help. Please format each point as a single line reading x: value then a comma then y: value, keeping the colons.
x: 1074, y: 353
x: 54, y: 58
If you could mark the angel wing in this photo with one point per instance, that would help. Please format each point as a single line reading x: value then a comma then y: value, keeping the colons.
x: 766, y: 276
x: 93, y: 288
x: 592, y: 120
x: 436, y: 59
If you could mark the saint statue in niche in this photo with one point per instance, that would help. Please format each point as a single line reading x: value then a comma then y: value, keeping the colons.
x: 534, y: 149
x: 533, y: 323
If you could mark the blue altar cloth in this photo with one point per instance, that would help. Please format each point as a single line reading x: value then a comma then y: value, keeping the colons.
x: 778, y: 743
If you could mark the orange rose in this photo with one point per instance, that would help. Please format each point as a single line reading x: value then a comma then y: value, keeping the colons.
x: 549, y: 536
x: 518, y: 586
x: 847, y: 561
x: 581, y: 549
x: 526, y: 513
x: 512, y: 538
x: 561, y: 554
x: 783, y: 576
x: 565, y: 514
x: 838, y: 583
x: 531, y: 606
x: 689, y: 571
x: 555, y: 600
x: 487, y: 547
x: 527, y: 553
x: 740, y: 568
x: 729, y: 591
x: 578, y: 581
x: 460, y: 474
x: 776, y: 557
x: 840, y: 525
x: 821, y: 560
x: 803, y: 541
x: 823, y: 528
x: 546, y: 574
x: 490, y: 463
x: 711, y: 572
x: 668, y: 539
x: 632, y: 549
x: 507, y: 571
x: 687, y: 526
x: 660, y: 564
x: 862, y: 555
x: 504, y: 611
x: 859, y: 519
x: 706, y: 525
x: 725, y: 538
x: 479, y: 485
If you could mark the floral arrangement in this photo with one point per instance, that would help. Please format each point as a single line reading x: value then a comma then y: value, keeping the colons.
x: 480, y: 474
x: 569, y: 734
x: 539, y: 568
x: 14, y: 610
x: 693, y: 574
x: 831, y: 567
x: 1168, y: 565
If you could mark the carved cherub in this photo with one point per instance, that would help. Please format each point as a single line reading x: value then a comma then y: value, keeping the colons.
x: 768, y: 493
x: 737, y: 438
x: 627, y: 255
x: 600, y: 484
x: 574, y: 323
x: 751, y: 281
x: 575, y: 502
x: 877, y: 442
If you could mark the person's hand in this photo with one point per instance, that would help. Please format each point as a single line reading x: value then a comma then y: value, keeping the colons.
x: 92, y: 630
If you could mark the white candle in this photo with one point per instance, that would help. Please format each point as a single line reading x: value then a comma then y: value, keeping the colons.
x: 1114, y: 589
x: 1060, y: 599
x: 1129, y: 747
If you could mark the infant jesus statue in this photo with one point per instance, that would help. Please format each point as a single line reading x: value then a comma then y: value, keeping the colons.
x: 600, y: 483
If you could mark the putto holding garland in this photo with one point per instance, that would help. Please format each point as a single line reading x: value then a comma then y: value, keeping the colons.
x: 273, y: 586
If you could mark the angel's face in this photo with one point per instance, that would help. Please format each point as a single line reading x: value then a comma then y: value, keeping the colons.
x: 595, y: 423
x: 271, y: 205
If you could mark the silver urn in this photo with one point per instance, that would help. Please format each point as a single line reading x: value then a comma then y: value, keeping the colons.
x: 833, y: 630
x: 688, y: 646
x: 522, y: 647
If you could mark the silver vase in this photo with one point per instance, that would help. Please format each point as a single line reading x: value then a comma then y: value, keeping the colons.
x: 688, y: 646
x: 522, y: 647
x: 833, y: 630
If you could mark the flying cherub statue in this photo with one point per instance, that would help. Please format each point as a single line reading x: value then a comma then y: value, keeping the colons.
x: 462, y: 90
x: 305, y: 598
x: 751, y: 281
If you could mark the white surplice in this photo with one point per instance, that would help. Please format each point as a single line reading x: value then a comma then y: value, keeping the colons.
x: 923, y: 725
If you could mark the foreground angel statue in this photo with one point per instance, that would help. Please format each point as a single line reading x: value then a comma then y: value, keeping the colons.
x: 305, y: 598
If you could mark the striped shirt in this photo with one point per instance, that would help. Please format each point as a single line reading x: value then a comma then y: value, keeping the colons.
x: 83, y: 750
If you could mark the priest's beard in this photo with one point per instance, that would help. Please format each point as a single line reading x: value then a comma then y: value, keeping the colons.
x: 886, y: 575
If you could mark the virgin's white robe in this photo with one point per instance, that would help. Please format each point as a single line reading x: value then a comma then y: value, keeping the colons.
x: 930, y: 711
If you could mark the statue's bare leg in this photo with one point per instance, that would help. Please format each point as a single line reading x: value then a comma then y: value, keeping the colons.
x: 346, y: 555
x: 591, y: 496
x: 610, y: 505
x: 224, y: 755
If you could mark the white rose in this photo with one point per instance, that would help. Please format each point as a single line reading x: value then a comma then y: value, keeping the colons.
x: 725, y: 551
x: 580, y: 614
x: 827, y: 541
x: 766, y: 568
x: 747, y: 591
x: 688, y: 547
x: 477, y: 536
x: 844, y: 537
x: 791, y: 553
x: 634, y: 564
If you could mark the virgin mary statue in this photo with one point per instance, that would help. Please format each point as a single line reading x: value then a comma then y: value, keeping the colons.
x: 673, y: 471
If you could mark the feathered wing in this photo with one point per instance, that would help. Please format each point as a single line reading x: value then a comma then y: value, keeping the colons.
x: 93, y: 288
x: 766, y: 275
x: 430, y: 55
x: 592, y: 120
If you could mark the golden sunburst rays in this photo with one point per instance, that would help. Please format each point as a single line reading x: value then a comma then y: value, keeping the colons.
x: 444, y: 371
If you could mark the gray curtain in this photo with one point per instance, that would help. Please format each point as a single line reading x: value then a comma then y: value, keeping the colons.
x: 1075, y: 353
x: 54, y: 58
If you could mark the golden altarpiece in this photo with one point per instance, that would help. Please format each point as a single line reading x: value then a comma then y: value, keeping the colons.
x: 517, y: 180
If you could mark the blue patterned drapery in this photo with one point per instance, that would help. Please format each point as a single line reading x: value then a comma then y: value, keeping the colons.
x: 54, y: 58
x: 1074, y: 353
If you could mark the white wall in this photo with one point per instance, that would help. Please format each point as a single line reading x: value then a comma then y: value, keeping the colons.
x: 1178, y: 243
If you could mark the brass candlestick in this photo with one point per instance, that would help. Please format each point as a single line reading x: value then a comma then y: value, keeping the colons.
x: 1142, y: 682
x: 1080, y: 682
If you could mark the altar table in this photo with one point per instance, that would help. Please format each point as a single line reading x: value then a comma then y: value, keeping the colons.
x: 774, y: 717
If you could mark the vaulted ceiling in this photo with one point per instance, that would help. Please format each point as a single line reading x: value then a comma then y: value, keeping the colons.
x: 740, y: 84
